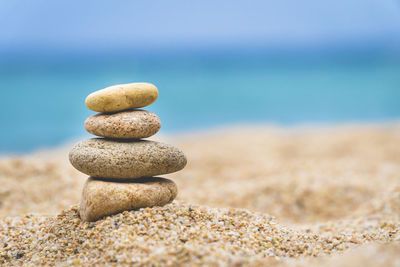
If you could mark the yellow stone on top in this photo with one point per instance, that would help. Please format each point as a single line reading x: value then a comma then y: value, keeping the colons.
x: 122, y: 97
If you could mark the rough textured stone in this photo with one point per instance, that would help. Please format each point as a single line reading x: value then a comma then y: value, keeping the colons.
x: 99, y: 157
x: 101, y: 197
x: 124, y: 125
x: 122, y: 97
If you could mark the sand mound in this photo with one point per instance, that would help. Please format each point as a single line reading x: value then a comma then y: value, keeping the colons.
x: 177, y: 233
x: 332, y: 191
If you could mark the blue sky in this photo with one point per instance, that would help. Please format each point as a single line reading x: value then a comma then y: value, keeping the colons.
x: 85, y: 25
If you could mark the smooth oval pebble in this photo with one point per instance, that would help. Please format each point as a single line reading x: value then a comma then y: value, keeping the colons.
x: 121, y: 97
x: 99, y: 157
x: 124, y: 125
x: 101, y: 198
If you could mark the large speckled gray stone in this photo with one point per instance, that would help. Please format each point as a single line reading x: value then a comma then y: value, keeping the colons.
x: 124, y: 125
x: 99, y: 157
x: 101, y: 198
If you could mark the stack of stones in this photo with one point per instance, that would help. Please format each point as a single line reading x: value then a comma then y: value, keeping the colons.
x: 120, y: 164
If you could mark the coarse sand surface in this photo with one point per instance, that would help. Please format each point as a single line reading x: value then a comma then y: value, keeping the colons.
x: 249, y: 195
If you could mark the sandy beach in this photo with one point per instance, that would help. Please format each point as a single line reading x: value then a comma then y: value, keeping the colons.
x: 250, y: 195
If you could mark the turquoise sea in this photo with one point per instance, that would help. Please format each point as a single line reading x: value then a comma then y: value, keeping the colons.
x: 43, y: 95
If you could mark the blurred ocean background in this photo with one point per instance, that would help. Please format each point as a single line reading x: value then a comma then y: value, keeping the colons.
x: 214, y: 65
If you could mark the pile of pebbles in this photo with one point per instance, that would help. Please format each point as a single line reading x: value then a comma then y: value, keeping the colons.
x: 121, y: 165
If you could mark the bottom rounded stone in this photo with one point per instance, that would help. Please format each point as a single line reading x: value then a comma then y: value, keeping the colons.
x: 107, y: 197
